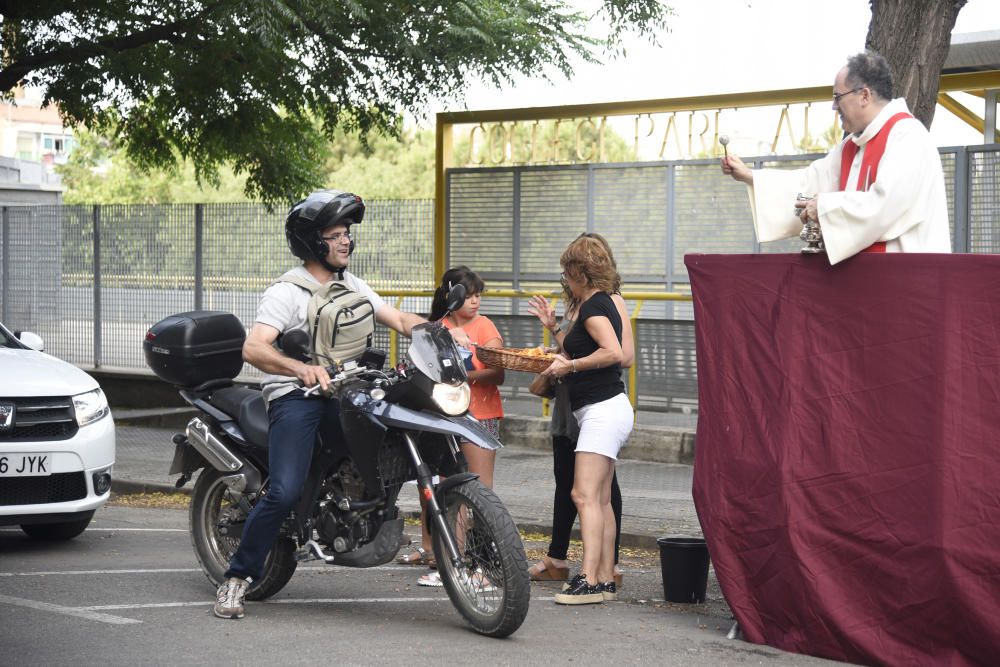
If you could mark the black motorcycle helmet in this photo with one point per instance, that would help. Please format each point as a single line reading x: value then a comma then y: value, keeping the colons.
x: 308, y: 218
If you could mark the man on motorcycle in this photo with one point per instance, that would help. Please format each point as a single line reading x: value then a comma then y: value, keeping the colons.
x: 318, y: 230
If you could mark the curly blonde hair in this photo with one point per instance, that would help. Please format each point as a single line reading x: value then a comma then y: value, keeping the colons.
x: 589, y: 259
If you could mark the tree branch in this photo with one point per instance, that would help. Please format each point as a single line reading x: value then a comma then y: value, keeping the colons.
x: 18, y: 69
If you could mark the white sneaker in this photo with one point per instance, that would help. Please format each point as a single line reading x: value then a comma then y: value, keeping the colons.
x: 230, y: 596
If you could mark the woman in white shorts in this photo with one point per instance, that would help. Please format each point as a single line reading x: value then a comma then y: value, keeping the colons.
x: 592, y: 368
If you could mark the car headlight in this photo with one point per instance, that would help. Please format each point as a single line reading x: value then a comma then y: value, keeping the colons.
x: 90, y: 407
x: 452, y: 399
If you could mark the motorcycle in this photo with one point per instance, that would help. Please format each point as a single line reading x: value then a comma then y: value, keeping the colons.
x: 398, y: 425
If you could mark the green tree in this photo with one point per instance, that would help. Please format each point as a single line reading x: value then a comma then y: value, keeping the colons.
x: 242, y: 82
x: 831, y: 136
x: 578, y: 141
x: 99, y: 171
x: 383, y: 167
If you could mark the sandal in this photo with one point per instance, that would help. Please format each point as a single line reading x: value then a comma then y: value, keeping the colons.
x: 549, y: 571
x: 418, y: 556
x: 430, y: 579
x: 480, y: 582
x: 477, y: 581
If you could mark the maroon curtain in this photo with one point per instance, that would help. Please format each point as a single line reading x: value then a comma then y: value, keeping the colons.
x: 847, y: 469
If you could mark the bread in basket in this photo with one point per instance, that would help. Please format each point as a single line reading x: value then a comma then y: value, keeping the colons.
x: 527, y: 359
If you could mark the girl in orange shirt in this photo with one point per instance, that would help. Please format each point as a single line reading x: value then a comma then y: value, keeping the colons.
x: 485, y: 404
x: 483, y: 380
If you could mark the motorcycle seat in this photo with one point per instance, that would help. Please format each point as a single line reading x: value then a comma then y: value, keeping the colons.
x: 247, y: 407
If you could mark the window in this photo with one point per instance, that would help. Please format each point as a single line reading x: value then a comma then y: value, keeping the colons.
x: 58, y: 144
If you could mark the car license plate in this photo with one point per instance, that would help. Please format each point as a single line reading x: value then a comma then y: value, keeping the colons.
x: 25, y: 465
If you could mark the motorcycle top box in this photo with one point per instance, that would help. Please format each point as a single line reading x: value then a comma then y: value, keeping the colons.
x: 188, y: 349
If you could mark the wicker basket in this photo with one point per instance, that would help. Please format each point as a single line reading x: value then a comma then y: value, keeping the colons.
x: 514, y: 359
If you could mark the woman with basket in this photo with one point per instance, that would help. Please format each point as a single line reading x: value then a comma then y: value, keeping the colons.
x: 565, y: 431
x: 591, y: 365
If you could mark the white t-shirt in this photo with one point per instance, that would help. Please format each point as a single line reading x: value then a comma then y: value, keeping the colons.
x: 284, y: 306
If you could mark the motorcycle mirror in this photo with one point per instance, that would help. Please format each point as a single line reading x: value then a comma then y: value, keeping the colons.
x: 456, y: 297
x: 296, y: 344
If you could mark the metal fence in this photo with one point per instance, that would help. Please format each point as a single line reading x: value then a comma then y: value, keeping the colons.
x: 91, y: 279
x: 512, y: 223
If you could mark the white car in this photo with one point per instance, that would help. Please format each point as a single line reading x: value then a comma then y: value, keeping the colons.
x: 57, y: 441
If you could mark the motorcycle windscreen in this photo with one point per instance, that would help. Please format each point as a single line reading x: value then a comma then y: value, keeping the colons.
x: 434, y: 353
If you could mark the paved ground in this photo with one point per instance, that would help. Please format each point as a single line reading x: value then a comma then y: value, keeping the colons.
x: 129, y: 592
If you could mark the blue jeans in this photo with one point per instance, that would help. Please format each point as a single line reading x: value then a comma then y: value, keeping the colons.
x: 294, y: 421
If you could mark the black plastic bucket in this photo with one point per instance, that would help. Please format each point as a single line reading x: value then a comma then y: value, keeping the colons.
x: 684, y: 565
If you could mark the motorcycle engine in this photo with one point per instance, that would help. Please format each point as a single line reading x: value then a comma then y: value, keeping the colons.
x: 338, y: 525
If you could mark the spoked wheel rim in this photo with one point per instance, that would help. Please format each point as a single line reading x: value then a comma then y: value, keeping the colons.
x: 480, y: 575
x: 221, y: 504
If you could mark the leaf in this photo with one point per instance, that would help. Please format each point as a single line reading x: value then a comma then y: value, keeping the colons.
x: 260, y: 86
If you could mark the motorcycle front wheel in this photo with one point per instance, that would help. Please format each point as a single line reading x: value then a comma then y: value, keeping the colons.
x: 213, y: 506
x: 490, y: 588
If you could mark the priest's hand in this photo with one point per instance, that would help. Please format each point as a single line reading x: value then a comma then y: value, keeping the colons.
x: 807, y: 210
x: 735, y: 167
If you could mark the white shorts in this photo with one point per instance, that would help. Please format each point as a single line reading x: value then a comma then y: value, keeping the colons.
x: 605, y: 426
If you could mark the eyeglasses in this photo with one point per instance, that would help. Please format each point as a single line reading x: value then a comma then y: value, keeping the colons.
x: 837, y: 96
x: 336, y: 238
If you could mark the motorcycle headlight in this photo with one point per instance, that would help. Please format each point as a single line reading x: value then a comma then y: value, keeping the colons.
x: 90, y: 407
x: 453, y: 400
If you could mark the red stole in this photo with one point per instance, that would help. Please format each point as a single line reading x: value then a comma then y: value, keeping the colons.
x: 869, y: 163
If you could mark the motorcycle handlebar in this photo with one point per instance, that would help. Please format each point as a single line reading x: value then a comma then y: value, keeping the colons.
x: 339, y: 374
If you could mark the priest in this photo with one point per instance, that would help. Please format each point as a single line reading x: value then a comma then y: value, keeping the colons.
x: 880, y: 190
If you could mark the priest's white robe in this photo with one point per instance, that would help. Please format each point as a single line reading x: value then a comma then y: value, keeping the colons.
x: 906, y: 206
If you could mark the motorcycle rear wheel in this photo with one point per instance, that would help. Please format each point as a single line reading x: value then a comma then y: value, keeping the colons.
x: 211, y: 499
x: 491, y: 589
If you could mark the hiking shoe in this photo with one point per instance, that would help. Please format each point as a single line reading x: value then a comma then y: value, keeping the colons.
x: 581, y: 593
x: 229, y: 598
x: 575, y: 581
x: 609, y: 591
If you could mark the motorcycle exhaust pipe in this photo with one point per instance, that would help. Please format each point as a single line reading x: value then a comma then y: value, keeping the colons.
x: 245, y: 477
x: 213, y: 449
